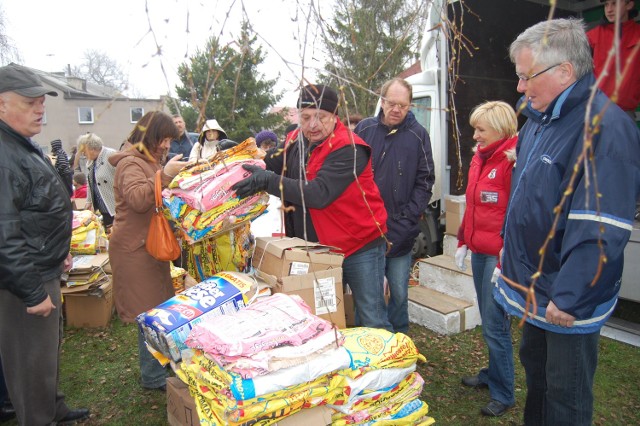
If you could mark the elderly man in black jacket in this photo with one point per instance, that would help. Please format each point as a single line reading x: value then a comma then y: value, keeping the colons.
x: 35, y: 234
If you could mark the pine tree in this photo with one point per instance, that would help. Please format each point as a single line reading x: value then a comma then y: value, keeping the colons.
x: 370, y: 42
x: 223, y: 82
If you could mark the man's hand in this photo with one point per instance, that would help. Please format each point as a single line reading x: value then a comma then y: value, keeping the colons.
x: 557, y: 317
x: 68, y: 263
x: 43, y: 308
x: 258, y: 181
x: 495, y: 275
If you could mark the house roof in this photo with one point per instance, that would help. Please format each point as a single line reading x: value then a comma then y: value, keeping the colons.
x: 76, y: 87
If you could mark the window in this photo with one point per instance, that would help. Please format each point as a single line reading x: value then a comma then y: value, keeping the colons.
x: 136, y: 113
x: 422, y: 110
x: 85, y: 115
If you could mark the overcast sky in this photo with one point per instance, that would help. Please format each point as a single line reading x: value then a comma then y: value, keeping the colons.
x: 53, y: 34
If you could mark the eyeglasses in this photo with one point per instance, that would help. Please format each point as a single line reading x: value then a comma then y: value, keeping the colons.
x: 401, y: 107
x: 532, y: 76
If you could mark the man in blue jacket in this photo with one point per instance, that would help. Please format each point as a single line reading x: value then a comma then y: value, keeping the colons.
x: 403, y: 170
x: 569, y: 218
x: 184, y: 144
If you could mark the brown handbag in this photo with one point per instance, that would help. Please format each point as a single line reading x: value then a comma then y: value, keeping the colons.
x: 161, y: 241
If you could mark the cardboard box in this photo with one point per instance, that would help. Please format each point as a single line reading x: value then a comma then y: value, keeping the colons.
x: 314, y: 416
x: 79, y: 204
x: 282, y: 257
x: 181, y: 409
x: 321, y: 290
x: 90, y: 309
x: 349, y: 310
x: 454, y: 212
x: 350, y: 307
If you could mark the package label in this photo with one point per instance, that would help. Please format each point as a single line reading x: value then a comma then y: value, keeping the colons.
x: 299, y: 268
x: 324, y: 291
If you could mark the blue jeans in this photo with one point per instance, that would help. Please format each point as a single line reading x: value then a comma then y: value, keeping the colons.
x: 397, y: 270
x: 496, y: 330
x: 559, y: 370
x: 152, y: 373
x: 364, y: 272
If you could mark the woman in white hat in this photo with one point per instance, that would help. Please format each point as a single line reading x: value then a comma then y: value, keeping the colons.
x: 208, y: 141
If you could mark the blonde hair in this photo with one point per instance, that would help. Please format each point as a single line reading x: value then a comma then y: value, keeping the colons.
x: 499, y: 115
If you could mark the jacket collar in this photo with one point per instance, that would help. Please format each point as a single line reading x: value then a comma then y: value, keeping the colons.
x: 25, y: 142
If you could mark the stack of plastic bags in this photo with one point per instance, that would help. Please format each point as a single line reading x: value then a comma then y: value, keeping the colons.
x: 230, y: 251
x: 384, y: 386
x: 87, y: 233
x: 200, y: 200
x: 264, y: 362
x: 274, y: 358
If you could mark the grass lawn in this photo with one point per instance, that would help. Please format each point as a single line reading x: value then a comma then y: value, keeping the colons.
x: 100, y: 371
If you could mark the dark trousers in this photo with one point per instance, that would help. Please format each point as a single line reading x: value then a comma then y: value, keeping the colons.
x: 30, y: 352
x: 4, y: 393
x: 559, y: 370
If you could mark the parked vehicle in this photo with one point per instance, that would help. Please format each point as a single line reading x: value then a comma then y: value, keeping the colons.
x: 465, y: 61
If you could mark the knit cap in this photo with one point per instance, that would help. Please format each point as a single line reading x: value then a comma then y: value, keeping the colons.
x: 264, y: 136
x: 318, y: 96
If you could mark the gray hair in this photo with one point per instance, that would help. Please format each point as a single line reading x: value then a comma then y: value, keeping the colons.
x: 556, y: 41
x: 90, y: 141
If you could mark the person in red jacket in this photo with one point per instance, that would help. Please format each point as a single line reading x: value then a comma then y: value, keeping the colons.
x: 324, y: 177
x: 80, y: 184
x: 601, y: 40
x: 488, y: 188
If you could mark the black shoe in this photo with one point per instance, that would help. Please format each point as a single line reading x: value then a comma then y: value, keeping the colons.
x: 74, y: 416
x: 495, y: 408
x: 474, y: 382
x: 7, y: 412
x: 162, y: 388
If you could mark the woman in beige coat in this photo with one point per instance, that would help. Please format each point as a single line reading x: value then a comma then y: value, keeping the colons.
x: 141, y: 282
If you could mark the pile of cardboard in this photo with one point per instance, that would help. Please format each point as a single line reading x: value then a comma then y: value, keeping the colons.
x: 87, y: 292
x: 310, y: 270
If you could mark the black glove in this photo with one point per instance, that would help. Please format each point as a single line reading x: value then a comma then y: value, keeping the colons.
x: 256, y: 182
x: 226, y: 144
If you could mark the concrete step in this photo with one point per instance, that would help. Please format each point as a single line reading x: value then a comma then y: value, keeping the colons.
x: 441, y: 274
x: 440, y: 312
x: 450, y: 245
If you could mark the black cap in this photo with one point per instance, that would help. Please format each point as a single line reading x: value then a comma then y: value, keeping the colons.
x: 23, y: 81
x: 318, y: 96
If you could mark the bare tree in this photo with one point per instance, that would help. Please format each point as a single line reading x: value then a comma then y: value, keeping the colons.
x: 101, y: 69
x: 8, y: 51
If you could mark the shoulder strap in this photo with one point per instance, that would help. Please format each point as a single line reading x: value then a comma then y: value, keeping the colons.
x: 158, y: 189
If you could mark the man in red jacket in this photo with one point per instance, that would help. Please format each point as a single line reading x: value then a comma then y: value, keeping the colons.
x: 601, y: 40
x: 328, y: 183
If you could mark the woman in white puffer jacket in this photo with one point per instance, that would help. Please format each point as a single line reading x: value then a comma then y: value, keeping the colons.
x: 207, y: 145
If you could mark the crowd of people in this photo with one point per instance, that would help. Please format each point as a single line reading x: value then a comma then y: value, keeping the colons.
x: 360, y: 187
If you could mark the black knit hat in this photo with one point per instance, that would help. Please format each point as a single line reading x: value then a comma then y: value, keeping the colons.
x: 318, y: 96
